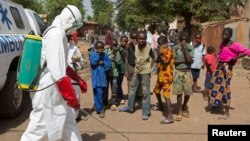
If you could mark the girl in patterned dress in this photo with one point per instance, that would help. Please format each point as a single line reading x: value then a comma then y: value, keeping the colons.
x: 165, y: 77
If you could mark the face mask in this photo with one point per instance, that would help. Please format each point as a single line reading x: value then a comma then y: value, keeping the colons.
x: 77, y: 25
x: 74, y: 28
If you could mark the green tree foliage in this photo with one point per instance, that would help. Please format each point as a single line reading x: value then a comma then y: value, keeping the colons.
x: 89, y: 18
x: 206, y: 9
x: 133, y: 14
x: 128, y: 16
x: 31, y: 4
x: 54, y: 7
x: 155, y: 10
x: 237, y: 2
x: 103, y: 11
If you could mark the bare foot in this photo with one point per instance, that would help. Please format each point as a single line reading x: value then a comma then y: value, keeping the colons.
x: 205, y: 98
x: 195, y: 90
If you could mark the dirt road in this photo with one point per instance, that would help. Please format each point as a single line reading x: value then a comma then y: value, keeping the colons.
x: 135, y: 129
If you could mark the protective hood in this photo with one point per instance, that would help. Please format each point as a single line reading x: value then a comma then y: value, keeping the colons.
x: 70, y: 19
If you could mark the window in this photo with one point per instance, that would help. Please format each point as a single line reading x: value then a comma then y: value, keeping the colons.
x: 40, y: 22
x: 17, y: 17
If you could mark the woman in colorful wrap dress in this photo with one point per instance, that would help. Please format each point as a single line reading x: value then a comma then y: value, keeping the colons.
x: 219, y: 87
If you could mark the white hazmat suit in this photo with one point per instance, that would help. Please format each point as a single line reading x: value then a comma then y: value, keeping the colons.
x: 51, y: 117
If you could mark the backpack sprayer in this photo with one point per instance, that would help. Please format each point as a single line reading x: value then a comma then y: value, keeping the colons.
x: 29, y: 63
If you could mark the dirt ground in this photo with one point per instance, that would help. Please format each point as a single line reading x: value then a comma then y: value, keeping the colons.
x: 134, y: 128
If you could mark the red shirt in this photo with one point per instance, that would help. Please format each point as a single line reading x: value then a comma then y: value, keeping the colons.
x: 210, y: 60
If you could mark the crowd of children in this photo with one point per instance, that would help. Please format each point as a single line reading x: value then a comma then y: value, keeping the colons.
x: 177, y: 66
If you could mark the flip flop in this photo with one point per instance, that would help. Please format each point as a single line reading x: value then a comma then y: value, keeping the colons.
x: 124, y: 109
x: 113, y: 108
x: 178, y: 118
x: 185, y: 114
x: 122, y: 102
x: 157, y: 108
x: 166, y: 121
x: 145, y: 117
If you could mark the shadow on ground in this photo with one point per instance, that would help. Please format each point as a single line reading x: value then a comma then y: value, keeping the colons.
x: 9, y: 123
x: 216, y: 110
x: 94, y: 137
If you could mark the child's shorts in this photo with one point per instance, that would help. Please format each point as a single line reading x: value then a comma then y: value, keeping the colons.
x: 195, y: 73
x: 208, y: 79
x: 182, y: 82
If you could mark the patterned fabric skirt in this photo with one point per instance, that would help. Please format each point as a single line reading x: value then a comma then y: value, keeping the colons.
x: 219, y: 86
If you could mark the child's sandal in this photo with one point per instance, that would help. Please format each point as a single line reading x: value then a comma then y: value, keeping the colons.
x: 178, y: 118
x: 166, y: 121
x: 156, y: 107
x: 186, y: 114
x: 113, y: 108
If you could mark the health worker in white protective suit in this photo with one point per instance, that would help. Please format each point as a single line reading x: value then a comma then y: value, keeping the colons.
x: 52, y: 117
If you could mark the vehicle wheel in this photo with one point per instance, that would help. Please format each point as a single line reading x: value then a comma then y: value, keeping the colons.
x: 246, y: 63
x: 12, y: 99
